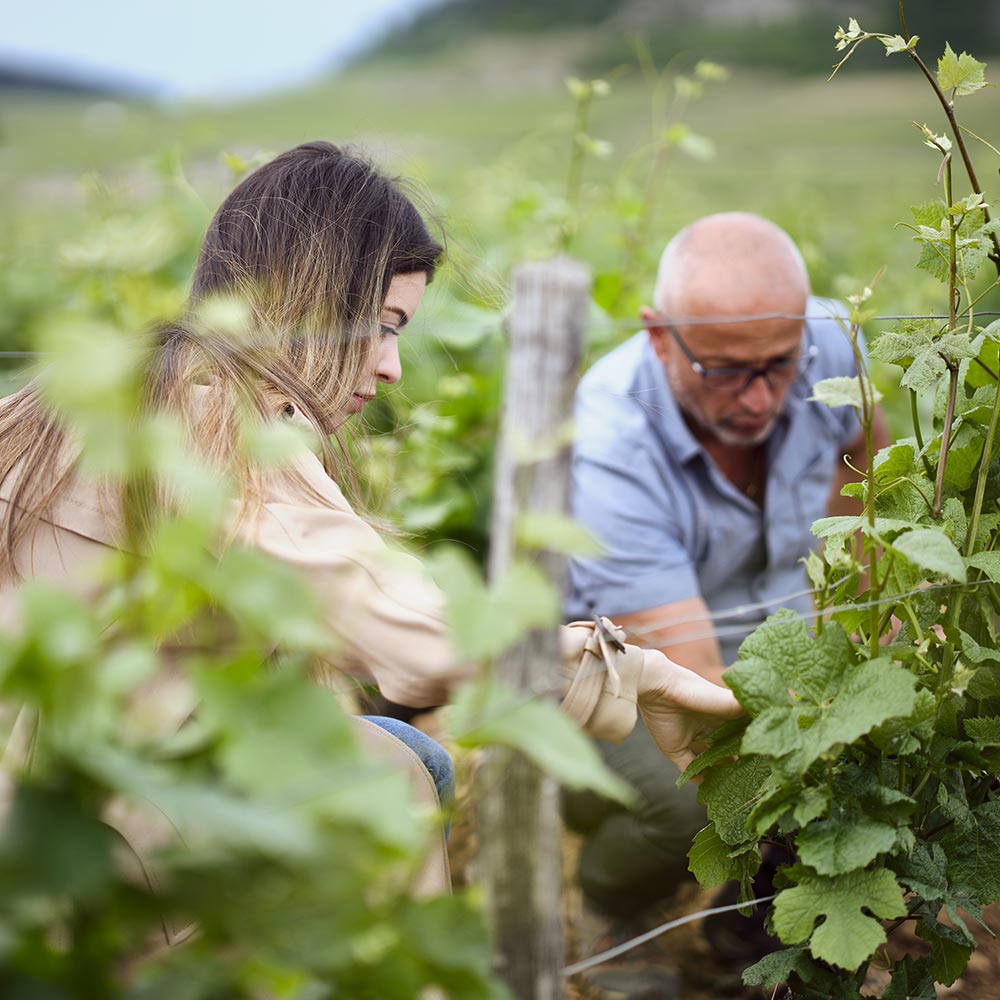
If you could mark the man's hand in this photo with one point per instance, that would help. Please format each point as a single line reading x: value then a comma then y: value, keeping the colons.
x: 680, y: 708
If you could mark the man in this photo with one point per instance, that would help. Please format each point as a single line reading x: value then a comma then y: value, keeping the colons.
x: 700, y: 464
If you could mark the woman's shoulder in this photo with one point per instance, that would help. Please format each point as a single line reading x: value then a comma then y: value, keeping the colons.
x: 303, y: 481
x: 302, y: 511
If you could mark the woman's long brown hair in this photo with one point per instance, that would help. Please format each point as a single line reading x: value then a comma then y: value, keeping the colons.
x: 308, y: 245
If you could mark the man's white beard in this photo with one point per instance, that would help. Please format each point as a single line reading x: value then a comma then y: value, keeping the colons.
x: 734, y: 438
x: 742, y: 440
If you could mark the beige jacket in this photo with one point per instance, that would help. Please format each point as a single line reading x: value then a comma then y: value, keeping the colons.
x: 380, y: 604
x: 386, y: 614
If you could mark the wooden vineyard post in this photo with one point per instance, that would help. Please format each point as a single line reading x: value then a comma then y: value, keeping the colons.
x: 519, y: 823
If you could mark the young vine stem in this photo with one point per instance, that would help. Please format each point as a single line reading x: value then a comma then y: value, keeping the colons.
x: 956, y: 131
x: 575, y: 172
x: 984, y: 468
x: 955, y: 608
x: 915, y: 417
x: 908, y: 611
x: 949, y: 416
x: 870, y: 544
x: 982, y: 295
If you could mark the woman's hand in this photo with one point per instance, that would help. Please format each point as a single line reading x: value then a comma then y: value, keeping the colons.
x: 680, y: 708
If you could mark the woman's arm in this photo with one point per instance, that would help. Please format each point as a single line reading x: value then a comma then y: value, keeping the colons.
x: 390, y: 620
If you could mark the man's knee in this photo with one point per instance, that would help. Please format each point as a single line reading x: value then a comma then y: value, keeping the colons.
x: 671, y: 820
x: 634, y: 857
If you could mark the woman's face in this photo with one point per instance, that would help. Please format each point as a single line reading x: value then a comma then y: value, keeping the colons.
x: 401, y: 303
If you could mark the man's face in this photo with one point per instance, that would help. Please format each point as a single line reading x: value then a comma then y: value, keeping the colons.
x: 740, y: 417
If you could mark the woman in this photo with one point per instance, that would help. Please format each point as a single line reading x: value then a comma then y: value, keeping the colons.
x: 330, y: 260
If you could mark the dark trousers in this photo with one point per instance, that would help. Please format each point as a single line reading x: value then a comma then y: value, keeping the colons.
x: 633, y: 858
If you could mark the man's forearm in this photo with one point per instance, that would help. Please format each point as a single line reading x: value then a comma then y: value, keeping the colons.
x: 710, y: 671
x: 682, y: 631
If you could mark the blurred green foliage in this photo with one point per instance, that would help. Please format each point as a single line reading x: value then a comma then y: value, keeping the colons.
x: 102, y: 209
x: 263, y: 822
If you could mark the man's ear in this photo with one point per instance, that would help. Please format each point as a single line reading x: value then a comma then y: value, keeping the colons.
x: 658, y: 337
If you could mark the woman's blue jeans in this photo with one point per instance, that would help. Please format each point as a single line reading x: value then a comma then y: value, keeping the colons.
x: 432, y: 755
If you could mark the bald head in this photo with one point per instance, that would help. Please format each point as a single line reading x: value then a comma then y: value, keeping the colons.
x: 731, y: 264
x: 731, y: 293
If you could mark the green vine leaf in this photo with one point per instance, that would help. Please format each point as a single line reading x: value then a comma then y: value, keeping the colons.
x: 984, y: 731
x: 912, y: 980
x: 845, y: 524
x: 960, y: 73
x: 730, y: 794
x: 916, y: 346
x: 929, y: 213
x: 848, y: 935
x: 790, y: 807
x: 949, y: 953
x: 988, y: 562
x: 713, y: 861
x: 897, y: 43
x: 555, y: 533
x: 931, y: 550
x: 843, y: 391
x: 723, y: 743
x: 973, y: 846
x: 925, y: 871
x: 933, y: 233
x: 842, y: 524
x: 843, y: 844
x: 893, y: 462
x: 963, y: 457
x: 708, y: 859
x: 975, y: 653
x: 907, y: 734
x: 809, y: 695
x: 489, y: 619
x: 777, y: 967
x: 853, y: 33
x: 975, y: 244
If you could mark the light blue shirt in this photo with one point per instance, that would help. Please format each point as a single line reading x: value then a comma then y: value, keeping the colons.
x: 672, y: 525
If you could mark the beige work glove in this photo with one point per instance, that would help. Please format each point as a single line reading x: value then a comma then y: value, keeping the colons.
x: 608, y: 680
x: 602, y: 676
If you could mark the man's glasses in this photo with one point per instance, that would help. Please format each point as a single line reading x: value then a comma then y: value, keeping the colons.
x: 777, y: 374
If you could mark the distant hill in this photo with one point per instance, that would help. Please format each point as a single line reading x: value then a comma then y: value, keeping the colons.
x: 23, y: 78
x: 784, y: 34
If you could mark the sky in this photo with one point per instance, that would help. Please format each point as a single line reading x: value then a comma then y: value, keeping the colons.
x: 211, y: 49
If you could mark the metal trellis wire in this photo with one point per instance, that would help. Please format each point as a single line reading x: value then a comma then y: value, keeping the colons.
x: 621, y: 949
x: 634, y: 324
